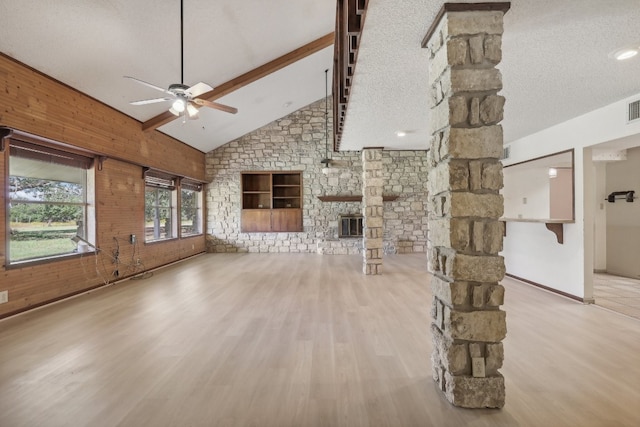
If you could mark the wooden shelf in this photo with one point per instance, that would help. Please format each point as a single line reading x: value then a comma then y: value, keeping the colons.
x: 540, y: 220
x: 271, y: 201
x: 352, y: 198
x: 556, y: 226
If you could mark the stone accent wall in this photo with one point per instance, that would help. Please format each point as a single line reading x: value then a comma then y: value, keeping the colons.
x: 465, y: 205
x: 297, y: 142
x: 372, y: 186
x: 405, y: 219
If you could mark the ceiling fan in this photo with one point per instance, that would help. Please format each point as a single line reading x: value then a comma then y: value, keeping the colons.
x: 183, y: 96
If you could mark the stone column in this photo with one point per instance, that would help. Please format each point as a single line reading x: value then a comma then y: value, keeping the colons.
x: 372, y: 210
x: 465, y: 177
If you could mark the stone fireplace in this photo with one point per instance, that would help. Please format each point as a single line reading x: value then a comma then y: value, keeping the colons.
x: 296, y: 143
x: 343, y: 235
x: 350, y: 225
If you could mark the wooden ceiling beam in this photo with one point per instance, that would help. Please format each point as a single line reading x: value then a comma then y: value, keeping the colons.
x: 249, y: 77
x: 350, y: 16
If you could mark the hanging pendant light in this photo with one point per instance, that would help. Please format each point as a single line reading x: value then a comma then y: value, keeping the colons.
x: 326, y: 161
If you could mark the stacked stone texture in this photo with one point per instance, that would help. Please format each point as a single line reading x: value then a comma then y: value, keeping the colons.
x: 465, y: 234
x: 297, y: 142
x: 405, y: 219
x: 372, y: 208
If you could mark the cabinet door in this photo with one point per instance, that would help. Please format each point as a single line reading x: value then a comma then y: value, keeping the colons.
x: 256, y: 220
x: 286, y: 220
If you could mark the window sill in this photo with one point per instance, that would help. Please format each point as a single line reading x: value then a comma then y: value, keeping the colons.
x: 153, y: 242
x: 188, y: 236
x: 32, y: 262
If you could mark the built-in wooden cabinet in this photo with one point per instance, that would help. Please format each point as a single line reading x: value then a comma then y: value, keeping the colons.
x: 271, y: 202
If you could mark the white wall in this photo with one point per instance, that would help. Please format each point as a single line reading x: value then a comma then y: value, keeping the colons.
x: 531, y: 251
x: 527, y: 193
x: 600, y: 225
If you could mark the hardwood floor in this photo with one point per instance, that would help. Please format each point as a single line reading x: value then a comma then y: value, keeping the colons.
x: 301, y: 340
x: 621, y: 294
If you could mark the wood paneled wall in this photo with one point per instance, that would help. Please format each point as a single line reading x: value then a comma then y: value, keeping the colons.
x: 34, y: 103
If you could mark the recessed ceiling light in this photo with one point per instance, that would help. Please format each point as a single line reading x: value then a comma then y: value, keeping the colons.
x: 401, y: 133
x: 624, y: 53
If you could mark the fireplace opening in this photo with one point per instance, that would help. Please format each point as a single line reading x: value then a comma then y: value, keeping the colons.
x: 350, y: 226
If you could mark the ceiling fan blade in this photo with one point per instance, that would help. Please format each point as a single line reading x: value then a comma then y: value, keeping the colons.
x: 215, y: 105
x: 150, y: 101
x: 198, y: 89
x: 152, y: 86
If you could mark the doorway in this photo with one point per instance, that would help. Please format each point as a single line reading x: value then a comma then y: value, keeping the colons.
x: 616, y: 281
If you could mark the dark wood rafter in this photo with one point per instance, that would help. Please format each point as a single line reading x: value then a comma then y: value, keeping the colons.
x: 350, y: 15
x: 249, y: 77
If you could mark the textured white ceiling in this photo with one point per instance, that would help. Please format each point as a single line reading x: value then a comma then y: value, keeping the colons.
x: 555, y: 67
x: 91, y: 44
x: 555, y: 63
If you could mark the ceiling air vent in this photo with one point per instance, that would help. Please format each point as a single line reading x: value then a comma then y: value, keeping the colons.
x: 634, y: 111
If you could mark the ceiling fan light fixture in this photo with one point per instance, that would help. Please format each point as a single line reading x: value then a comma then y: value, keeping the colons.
x: 326, y: 161
x: 178, y: 105
x: 192, y: 111
x: 181, y: 94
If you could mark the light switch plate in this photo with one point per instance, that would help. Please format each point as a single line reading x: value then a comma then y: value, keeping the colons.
x: 4, y: 297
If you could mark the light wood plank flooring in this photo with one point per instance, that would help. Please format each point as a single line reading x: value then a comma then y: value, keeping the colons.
x: 301, y: 340
x: 621, y: 294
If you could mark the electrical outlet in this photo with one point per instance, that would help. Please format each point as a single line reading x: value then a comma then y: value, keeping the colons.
x: 524, y: 200
x: 4, y: 297
x: 193, y: 247
x: 132, y: 239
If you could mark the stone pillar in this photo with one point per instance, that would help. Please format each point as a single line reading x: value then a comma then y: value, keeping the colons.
x: 372, y: 210
x: 465, y: 177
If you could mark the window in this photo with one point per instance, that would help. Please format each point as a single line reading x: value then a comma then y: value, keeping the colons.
x: 49, y: 200
x: 159, y: 206
x: 190, y: 208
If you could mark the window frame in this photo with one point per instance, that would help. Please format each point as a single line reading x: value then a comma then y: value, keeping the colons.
x: 158, y: 180
x: 197, y: 188
x: 35, y: 148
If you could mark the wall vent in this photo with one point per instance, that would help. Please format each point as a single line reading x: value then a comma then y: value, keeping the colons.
x: 506, y: 152
x: 634, y: 111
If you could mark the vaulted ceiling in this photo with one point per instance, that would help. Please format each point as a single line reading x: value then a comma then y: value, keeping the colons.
x: 555, y: 67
